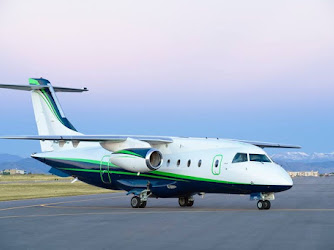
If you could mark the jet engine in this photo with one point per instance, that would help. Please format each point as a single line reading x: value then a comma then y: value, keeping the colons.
x: 139, y: 160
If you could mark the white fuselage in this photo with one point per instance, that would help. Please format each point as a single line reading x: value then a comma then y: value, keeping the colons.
x: 182, y: 157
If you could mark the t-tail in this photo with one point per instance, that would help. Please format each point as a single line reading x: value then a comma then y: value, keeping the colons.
x: 49, y: 115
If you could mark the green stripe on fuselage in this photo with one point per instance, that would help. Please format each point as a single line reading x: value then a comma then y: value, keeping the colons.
x: 153, y: 174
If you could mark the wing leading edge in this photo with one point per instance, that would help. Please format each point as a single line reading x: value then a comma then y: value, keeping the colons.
x: 120, y: 138
x: 269, y: 144
x: 91, y: 138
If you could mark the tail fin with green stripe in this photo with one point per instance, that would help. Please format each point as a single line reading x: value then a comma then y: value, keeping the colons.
x: 50, y: 118
x: 45, y: 100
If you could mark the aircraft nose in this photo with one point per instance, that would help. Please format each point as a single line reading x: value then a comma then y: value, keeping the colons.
x: 285, y: 179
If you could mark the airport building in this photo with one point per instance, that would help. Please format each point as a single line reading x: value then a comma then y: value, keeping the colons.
x: 304, y: 174
x: 12, y: 171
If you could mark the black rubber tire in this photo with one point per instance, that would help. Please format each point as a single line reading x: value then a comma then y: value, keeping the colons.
x: 260, y: 205
x: 183, y: 201
x: 143, y: 204
x: 135, y: 202
x: 267, y: 205
x: 190, y: 203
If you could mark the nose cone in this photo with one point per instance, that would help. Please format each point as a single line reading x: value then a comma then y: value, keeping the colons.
x: 284, y: 179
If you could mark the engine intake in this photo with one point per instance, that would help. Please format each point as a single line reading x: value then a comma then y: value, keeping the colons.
x: 138, y: 159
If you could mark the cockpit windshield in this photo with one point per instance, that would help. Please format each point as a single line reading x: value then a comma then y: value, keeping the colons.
x: 240, y: 157
x: 259, y: 158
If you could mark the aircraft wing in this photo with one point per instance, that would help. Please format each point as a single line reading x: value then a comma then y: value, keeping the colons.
x: 92, y: 138
x: 120, y: 138
x: 269, y: 144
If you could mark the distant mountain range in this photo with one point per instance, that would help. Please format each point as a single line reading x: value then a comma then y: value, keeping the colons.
x: 291, y: 161
x: 8, y: 161
x: 300, y: 161
x: 301, y: 156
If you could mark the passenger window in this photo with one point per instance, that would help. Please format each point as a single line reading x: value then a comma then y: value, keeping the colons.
x: 216, y: 163
x: 240, y: 157
x: 189, y: 162
x: 259, y: 158
x: 178, y: 162
x: 199, y: 163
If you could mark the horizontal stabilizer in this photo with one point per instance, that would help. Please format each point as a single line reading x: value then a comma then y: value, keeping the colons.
x: 269, y: 144
x: 39, y: 87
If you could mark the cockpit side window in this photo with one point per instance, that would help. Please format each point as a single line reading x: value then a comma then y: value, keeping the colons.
x: 259, y: 157
x: 240, y: 157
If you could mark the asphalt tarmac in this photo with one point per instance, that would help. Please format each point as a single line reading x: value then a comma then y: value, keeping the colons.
x: 300, y: 218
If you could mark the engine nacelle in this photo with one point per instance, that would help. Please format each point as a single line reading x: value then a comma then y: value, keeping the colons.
x: 141, y: 160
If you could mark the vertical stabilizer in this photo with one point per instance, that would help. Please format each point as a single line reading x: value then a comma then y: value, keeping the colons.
x: 50, y: 118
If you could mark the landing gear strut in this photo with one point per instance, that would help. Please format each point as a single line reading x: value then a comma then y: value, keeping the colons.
x: 186, y: 201
x: 263, y: 205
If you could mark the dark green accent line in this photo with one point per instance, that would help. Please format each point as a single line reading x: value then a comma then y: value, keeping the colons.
x: 49, y: 104
x: 53, y: 108
x: 126, y: 156
x: 126, y: 152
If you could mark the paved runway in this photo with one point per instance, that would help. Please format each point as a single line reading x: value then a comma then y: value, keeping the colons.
x: 300, y: 218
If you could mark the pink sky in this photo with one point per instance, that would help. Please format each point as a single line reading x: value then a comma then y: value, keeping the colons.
x: 214, y: 56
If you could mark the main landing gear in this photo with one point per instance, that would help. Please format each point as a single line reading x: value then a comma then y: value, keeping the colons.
x: 263, y: 205
x: 186, y: 201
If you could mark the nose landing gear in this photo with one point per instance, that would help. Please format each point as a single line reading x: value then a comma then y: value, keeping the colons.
x: 263, y: 205
x: 263, y: 200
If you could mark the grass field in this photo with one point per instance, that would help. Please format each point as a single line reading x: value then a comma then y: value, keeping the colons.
x: 19, y: 187
x: 32, y: 177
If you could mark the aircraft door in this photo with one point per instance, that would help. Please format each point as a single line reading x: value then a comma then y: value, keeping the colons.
x: 104, y: 169
x: 216, y: 164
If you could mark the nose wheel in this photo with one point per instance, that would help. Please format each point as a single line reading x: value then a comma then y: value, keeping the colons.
x: 263, y: 205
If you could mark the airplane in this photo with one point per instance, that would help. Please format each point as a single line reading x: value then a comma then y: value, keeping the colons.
x: 151, y: 166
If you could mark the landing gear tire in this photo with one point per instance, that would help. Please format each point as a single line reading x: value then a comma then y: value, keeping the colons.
x: 186, y: 202
x: 263, y: 205
x: 260, y: 205
x: 183, y: 201
x: 190, y: 203
x: 135, y: 202
x: 267, y: 205
x: 143, y: 204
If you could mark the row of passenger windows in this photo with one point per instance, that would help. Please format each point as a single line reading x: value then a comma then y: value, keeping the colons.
x: 243, y: 157
x: 239, y: 157
x: 178, y: 163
